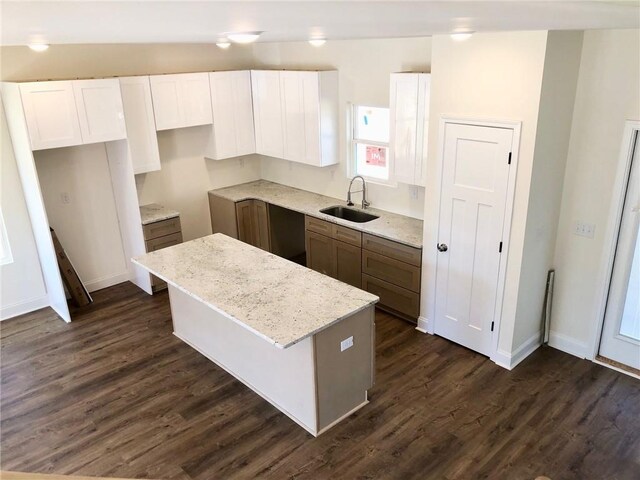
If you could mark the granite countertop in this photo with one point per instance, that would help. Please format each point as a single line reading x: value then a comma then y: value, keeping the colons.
x: 276, y: 299
x: 392, y: 226
x: 155, y: 213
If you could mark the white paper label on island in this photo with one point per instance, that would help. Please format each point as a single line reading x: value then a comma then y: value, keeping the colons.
x: 346, y: 343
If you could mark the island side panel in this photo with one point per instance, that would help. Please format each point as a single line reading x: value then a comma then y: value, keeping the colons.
x: 284, y: 377
x: 343, y: 377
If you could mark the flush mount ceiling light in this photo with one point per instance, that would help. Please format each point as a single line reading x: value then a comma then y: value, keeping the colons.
x: 318, y: 42
x: 243, y: 37
x: 460, y: 36
x: 38, y: 47
x: 223, y: 44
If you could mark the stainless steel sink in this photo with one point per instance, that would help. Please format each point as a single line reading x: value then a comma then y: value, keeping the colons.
x: 350, y: 214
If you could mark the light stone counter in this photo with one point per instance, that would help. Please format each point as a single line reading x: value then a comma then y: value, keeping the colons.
x: 392, y: 226
x: 155, y: 213
x: 276, y: 299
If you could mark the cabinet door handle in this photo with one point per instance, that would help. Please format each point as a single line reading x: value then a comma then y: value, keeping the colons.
x: 442, y: 247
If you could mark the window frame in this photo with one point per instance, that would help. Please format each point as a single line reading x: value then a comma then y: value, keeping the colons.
x: 353, y: 146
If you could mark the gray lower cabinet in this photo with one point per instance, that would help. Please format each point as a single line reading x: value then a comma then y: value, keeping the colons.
x: 253, y: 223
x: 336, y: 258
x: 158, y: 235
x: 383, y: 267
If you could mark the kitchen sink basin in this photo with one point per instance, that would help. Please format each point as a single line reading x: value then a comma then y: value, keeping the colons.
x: 350, y: 214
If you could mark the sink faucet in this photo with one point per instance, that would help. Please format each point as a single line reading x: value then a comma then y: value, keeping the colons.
x: 365, y: 203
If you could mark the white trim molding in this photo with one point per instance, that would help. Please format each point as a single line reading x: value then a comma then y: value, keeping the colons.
x: 20, y: 308
x: 424, y: 325
x: 568, y: 344
x: 631, y: 132
x: 511, y: 360
x: 104, y: 282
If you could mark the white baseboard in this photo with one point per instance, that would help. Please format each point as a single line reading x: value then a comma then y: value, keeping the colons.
x: 423, y: 325
x: 104, y: 282
x: 510, y: 360
x: 568, y: 344
x: 20, y: 308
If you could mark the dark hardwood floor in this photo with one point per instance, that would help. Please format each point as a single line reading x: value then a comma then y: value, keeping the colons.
x: 116, y: 394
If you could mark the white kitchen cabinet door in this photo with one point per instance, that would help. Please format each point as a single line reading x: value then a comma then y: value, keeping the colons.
x: 51, y: 114
x: 141, y: 126
x: 409, y: 104
x: 268, y: 115
x: 231, y: 103
x: 100, y: 111
x: 310, y: 109
x: 181, y: 100
x: 293, y: 108
x: 195, y: 95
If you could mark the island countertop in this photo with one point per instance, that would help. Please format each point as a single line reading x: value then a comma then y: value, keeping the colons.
x: 392, y: 226
x: 276, y: 299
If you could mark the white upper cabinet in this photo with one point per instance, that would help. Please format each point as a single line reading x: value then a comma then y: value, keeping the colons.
x: 306, y: 117
x: 267, y: 112
x: 141, y: 126
x: 100, y: 111
x: 409, y: 123
x: 62, y: 114
x: 51, y: 114
x: 181, y: 100
x: 231, y: 103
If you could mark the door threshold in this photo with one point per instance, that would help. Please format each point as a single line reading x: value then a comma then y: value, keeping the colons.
x: 620, y: 367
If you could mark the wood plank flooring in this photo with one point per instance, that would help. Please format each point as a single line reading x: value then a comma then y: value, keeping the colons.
x: 116, y: 394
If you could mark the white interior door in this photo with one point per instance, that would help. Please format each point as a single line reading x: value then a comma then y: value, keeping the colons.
x: 621, y: 332
x: 475, y: 173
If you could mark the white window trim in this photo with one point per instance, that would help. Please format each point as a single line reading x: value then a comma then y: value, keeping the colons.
x: 7, y: 256
x: 352, y: 169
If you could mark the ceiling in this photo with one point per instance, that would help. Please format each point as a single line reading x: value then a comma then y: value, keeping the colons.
x: 150, y: 21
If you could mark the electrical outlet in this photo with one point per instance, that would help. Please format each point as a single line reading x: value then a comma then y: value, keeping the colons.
x: 582, y: 229
x: 65, y: 198
x: 346, y: 343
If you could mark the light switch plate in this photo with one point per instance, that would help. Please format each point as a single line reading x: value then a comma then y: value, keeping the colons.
x: 346, y: 343
x: 587, y: 230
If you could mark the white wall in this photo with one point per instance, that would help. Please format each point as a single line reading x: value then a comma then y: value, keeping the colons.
x: 22, y: 287
x: 608, y: 93
x: 363, y: 67
x: 562, y: 62
x: 186, y: 176
x: 491, y: 76
x: 87, y: 226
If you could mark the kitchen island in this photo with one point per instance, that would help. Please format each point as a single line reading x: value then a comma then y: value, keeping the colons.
x: 300, y: 339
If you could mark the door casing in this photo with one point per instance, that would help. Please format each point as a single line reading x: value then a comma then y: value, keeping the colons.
x: 631, y: 130
x: 429, y: 251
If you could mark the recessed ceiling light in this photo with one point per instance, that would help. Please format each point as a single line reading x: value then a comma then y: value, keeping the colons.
x: 243, y: 37
x: 318, y: 42
x: 38, y: 47
x: 460, y: 36
x: 224, y: 44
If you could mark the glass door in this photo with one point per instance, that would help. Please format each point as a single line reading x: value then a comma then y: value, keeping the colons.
x: 620, y: 340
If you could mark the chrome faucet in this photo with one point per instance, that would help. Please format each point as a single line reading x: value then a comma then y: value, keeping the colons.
x: 365, y: 203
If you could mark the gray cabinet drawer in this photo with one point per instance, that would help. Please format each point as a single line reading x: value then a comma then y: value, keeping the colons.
x: 391, y: 249
x: 347, y: 235
x: 319, y: 226
x: 390, y: 270
x: 161, y: 228
x: 393, y: 298
x: 163, y: 242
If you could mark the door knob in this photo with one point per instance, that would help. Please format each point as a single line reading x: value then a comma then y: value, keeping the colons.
x: 442, y: 247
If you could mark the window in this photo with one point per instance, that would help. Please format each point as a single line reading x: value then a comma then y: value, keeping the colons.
x: 371, y: 142
x: 5, y: 249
